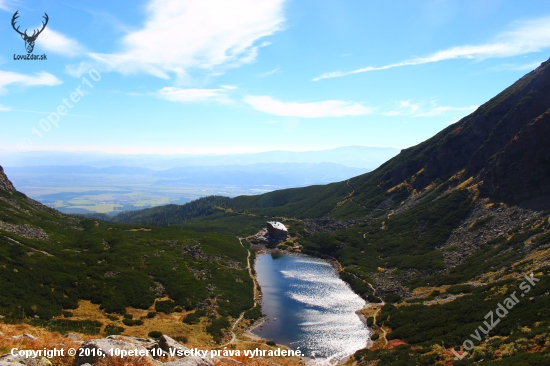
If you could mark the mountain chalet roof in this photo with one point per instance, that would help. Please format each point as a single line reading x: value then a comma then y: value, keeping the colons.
x: 277, y: 225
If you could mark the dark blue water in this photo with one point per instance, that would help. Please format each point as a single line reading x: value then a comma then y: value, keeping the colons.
x: 314, y: 308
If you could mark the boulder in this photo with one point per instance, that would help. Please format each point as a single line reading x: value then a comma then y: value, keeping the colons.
x: 73, y: 336
x: 190, y: 361
x: 166, y: 344
x: 92, y: 350
x: 9, y: 360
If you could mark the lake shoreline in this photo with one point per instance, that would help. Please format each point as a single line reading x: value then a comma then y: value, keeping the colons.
x: 336, y: 268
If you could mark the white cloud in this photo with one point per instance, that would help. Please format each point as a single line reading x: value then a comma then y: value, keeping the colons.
x: 39, y: 79
x: 328, y: 108
x: 4, y: 109
x: 55, y: 42
x: 445, y: 109
x: 192, y: 95
x: 526, y: 37
x: 274, y: 71
x: 517, y: 67
x: 4, y: 4
x: 180, y: 35
x: 407, y: 108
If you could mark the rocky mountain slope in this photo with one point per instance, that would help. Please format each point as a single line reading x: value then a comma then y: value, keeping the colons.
x: 437, y: 237
x: 502, y: 146
x: 74, y: 274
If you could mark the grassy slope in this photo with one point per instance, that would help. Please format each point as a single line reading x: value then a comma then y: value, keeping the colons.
x: 112, y: 266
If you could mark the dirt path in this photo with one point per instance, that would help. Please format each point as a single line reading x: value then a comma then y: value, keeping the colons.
x: 249, y: 268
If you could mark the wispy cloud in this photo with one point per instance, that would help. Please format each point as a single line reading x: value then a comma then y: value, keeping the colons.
x: 55, y: 42
x: 39, y: 79
x: 192, y: 95
x: 4, y: 109
x: 328, y: 108
x: 271, y: 72
x: 410, y: 109
x: 525, y: 37
x: 517, y: 67
x: 5, y: 4
x: 437, y: 111
x: 181, y: 35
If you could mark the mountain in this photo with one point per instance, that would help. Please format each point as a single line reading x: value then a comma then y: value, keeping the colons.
x: 68, y: 273
x: 502, y: 147
x: 267, y: 175
x: 5, y: 184
x: 363, y: 157
x: 439, y: 237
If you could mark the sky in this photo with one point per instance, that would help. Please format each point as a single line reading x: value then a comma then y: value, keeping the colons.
x: 210, y: 76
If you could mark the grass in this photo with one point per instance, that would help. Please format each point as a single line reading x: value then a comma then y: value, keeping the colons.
x: 94, y: 269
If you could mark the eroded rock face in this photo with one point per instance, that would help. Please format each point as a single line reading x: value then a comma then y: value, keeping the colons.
x: 24, y: 230
x: 9, y: 360
x: 170, y: 345
x: 5, y: 184
x: 190, y: 361
x: 92, y: 350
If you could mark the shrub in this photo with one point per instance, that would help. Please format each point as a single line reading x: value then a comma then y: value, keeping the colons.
x: 194, y: 318
x: 181, y: 339
x: 460, y: 289
x: 375, y: 336
x: 128, y: 316
x: 151, y: 314
x: 253, y: 314
x: 166, y: 306
x: 112, y: 329
x: 131, y: 322
x: 271, y: 343
x: 391, y: 298
x: 216, y: 328
x: 155, y: 334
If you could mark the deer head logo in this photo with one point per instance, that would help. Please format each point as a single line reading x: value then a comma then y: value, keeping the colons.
x: 29, y: 40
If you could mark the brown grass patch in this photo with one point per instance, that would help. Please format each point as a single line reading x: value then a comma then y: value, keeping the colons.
x: 45, y: 339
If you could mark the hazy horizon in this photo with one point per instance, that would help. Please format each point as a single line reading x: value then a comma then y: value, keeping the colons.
x: 166, y: 76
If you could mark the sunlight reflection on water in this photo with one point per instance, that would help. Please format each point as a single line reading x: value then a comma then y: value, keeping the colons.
x: 307, y: 292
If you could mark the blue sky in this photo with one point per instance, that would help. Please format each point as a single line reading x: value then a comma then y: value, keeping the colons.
x: 210, y: 76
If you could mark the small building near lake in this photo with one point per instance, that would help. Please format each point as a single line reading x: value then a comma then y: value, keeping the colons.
x: 277, y: 230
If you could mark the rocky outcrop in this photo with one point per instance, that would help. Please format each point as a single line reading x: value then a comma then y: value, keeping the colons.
x: 5, y: 184
x: 521, y: 169
x: 190, y: 361
x: 24, y: 230
x: 9, y: 360
x: 112, y: 347
x: 170, y: 345
x: 483, y: 225
x: 330, y: 225
x: 144, y: 350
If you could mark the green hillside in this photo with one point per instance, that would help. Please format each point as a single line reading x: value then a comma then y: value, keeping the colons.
x: 439, y: 235
x: 50, y: 261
